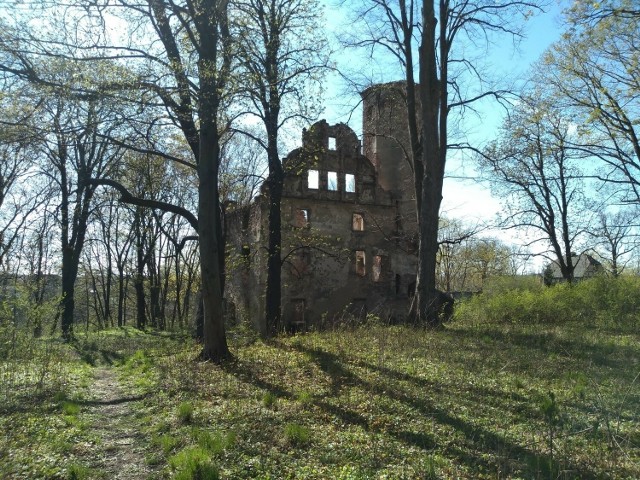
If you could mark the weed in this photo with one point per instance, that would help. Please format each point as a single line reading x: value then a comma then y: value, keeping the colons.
x: 185, y: 413
x: 305, y: 398
x: 79, y: 472
x: 70, y: 408
x: 166, y: 442
x: 193, y: 463
x: 349, y: 472
x: 268, y: 399
x: 215, y: 444
x: 430, y: 469
x: 296, y: 435
x: 551, y: 413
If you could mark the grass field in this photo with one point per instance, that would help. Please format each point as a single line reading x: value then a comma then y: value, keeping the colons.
x: 479, y: 398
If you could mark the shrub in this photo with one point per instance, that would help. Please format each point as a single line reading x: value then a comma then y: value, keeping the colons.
x: 600, y: 300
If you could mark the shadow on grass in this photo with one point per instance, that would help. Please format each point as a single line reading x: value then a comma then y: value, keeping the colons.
x: 116, y: 401
x: 92, y: 354
x: 606, y: 355
x: 478, y: 439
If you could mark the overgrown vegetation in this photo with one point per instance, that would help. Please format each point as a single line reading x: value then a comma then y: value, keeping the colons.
x: 523, y: 383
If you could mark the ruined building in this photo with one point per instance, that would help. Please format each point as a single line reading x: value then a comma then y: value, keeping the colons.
x: 349, y: 238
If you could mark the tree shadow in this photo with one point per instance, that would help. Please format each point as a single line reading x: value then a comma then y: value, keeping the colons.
x: 479, y: 439
x: 609, y: 356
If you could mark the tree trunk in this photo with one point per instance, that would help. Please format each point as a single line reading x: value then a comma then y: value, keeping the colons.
x: 67, y: 304
x: 274, y: 260
x: 209, y: 213
x: 433, y: 106
x: 138, y: 284
x: 121, y: 293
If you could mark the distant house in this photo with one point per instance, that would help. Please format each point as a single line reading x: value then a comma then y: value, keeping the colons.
x: 585, y: 266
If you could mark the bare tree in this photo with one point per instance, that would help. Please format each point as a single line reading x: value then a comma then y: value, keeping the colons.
x: 533, y: 168
x: 617, y: 238
x: 75, y: 152
x: 594, y: 71
x: 282, y: 51
x: 173, y: 57
x: 435, y: 29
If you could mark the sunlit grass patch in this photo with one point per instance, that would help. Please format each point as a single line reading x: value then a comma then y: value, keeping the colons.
x: 193, y: 463
x: 296, y: 435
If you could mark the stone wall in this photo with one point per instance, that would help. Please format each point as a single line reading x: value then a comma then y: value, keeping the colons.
x: 348, y: 239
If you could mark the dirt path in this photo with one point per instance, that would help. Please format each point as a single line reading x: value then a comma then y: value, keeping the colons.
x: 119, y: 449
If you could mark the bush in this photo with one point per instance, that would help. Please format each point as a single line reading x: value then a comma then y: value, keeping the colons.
x: 597, y: 301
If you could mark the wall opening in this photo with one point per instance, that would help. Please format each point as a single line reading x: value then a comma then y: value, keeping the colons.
x: 357, y: 224
x: 349, y: 183
x: 332, y: 143
x: 313, y: 180
x: 361, y: 268
x: 376, y: 268
x: 398, y: 284
x: 301, y: 218
x: 332, y: 181
x: 298, y: 322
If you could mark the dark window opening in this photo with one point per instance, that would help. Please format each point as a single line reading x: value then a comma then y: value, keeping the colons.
x: 245, y: 219
x: 358, y: 222
x: 361, y: 268
x: 298, y: 322
x: 398, y: 284
x: 376, y: 268
x: 301, y: 218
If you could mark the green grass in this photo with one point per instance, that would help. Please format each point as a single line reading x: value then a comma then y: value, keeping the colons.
x: 526, y: 395
x: 296, y: 435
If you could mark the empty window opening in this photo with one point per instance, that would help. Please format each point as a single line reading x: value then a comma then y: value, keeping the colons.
x: 297, y: 315
x: 361, y: 268
x: 301, y: 218
x: 358, y: 222
x: 332, y: 143
x: 398, y: 284
x: 376, y: 268
x: 349, y: 183
x: 314, y: 179
x: 332, y: 181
